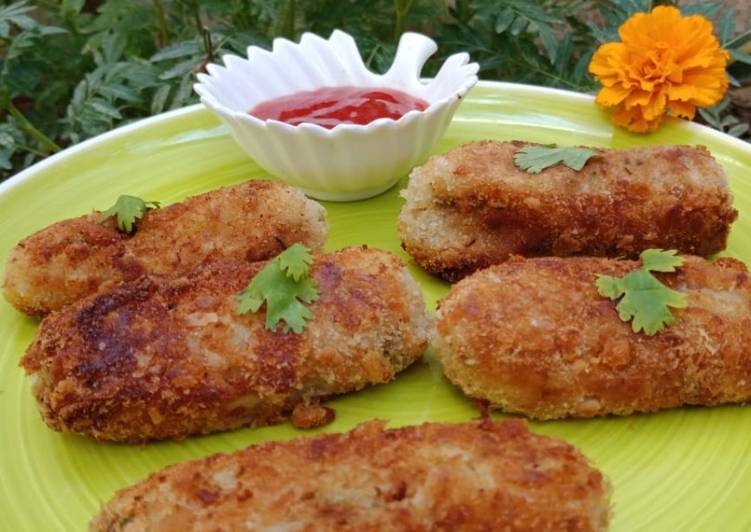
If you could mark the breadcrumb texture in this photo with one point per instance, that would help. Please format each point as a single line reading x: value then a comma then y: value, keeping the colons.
x: 472, y: 207
x: 472, y: 476
x: 167, y: 358
x: 533, y: 336
x: 68, y: 260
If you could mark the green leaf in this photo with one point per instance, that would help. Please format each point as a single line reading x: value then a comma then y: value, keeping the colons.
x: 738, y: 130
x: 581, y: 65
x: 707, y: 10
x: 610, y: 287
x: 535, y: 159
x: 5, y: 155
x: 180, y: 49
x: 284, y: 286
x: 549, y: 43
x: 658, y: 260
x: 128, y: 209
x: 104, y: 108
x: 563, y: 53
x: 741, y: 56
x: 726, y: 26
x: 733, y: 81
x: 738, y: 41
x: 160, y: 99
x: 120, y: 92
x: 179, y: 69
x: 15, y: 9
x: 644, y: 299
x: 504, y: 20
x: 296, y: 261
x: 518, y: 26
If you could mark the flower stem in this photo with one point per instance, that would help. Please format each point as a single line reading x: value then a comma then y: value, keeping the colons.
x: 401, y: 7
x: 161, y: 24
x: 47, y: 142
x: 285, y: 26
x: 197, y: 16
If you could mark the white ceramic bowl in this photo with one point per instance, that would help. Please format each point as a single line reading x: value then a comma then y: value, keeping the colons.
x: 348, y: 162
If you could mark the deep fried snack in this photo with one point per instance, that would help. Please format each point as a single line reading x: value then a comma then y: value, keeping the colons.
x: 472, y: 207
x: 74, y: 258
x: 533, y: 336
x: 472, y: 476
x: 161, y: 358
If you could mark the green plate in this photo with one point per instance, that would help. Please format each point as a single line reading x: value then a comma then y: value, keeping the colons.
x: 686, y: 469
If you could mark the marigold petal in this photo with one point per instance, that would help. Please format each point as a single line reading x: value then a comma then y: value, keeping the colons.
x: 706, y: 59
x: 655, y: 107
x: 633, y: 120
x: 683, y: 92
x: 643, y: 30
x: 610, y: 96
x: 607, y: 60
x: 682, y: 109
x: 665, y: 63
x: 637, y: 98
x: 709, y: 89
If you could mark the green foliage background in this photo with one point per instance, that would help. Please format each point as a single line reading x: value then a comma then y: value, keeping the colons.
x: 72, y: 69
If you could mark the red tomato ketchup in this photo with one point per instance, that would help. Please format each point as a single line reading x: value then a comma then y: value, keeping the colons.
x: 331, y: 106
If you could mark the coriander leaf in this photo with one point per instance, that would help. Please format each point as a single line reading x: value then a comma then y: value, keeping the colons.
x: 535, y: 159
x: 296, y: 261
x: 128, y: 209
x: 658, y: 260
x: 610, y: 287
x: 644, y: 299
x: 283, y: 291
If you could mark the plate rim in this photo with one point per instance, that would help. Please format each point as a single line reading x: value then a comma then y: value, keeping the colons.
x: 92, y: 143
x: 193, y: 120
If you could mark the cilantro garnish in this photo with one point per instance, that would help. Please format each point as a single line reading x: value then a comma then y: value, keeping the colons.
x: 128, y: 209
x: 283, y: 284
x: 643, y: 298
x: 535, y: 159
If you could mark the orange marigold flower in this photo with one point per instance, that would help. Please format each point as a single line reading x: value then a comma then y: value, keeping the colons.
x: 666, y: 63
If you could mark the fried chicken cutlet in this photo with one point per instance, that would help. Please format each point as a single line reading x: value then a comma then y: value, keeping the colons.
x: 473, y: 207
x: 166, y: 358
x: 533, y: 336
x: 487, y: 475
x: 71, y: 259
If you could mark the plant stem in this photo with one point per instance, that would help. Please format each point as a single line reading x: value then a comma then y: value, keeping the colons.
x: 197, y: 16
x: 286, y: 23
x: 208, y: 45
x: 463, y: 11
x: 162, y: 37
x: 29, y: 149
x: 31, y: 130
x: 372, y: 55
x: 401, y: 8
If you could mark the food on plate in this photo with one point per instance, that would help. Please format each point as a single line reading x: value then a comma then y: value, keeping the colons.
x: 473, y: 206
x: 330, y: 106
x: 74, y: 258
x: 482, y: 475
x: 534, y: 336
x: 166, y: 358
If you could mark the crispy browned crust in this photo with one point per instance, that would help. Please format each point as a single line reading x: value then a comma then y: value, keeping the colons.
x: 533, y: 336
x: 472, y: 207
x: 71, y: 259
x: 473, y: 476
x: 163, y: 358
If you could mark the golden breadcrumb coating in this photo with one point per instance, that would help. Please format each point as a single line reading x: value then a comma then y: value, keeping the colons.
x: 166, y: 358
x: 68, y: 260
x: 533, y: 336
x: 472, y: 207
x: 473, y: 476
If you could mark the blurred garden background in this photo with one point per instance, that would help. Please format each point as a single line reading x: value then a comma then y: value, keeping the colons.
x: 72, y: 69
